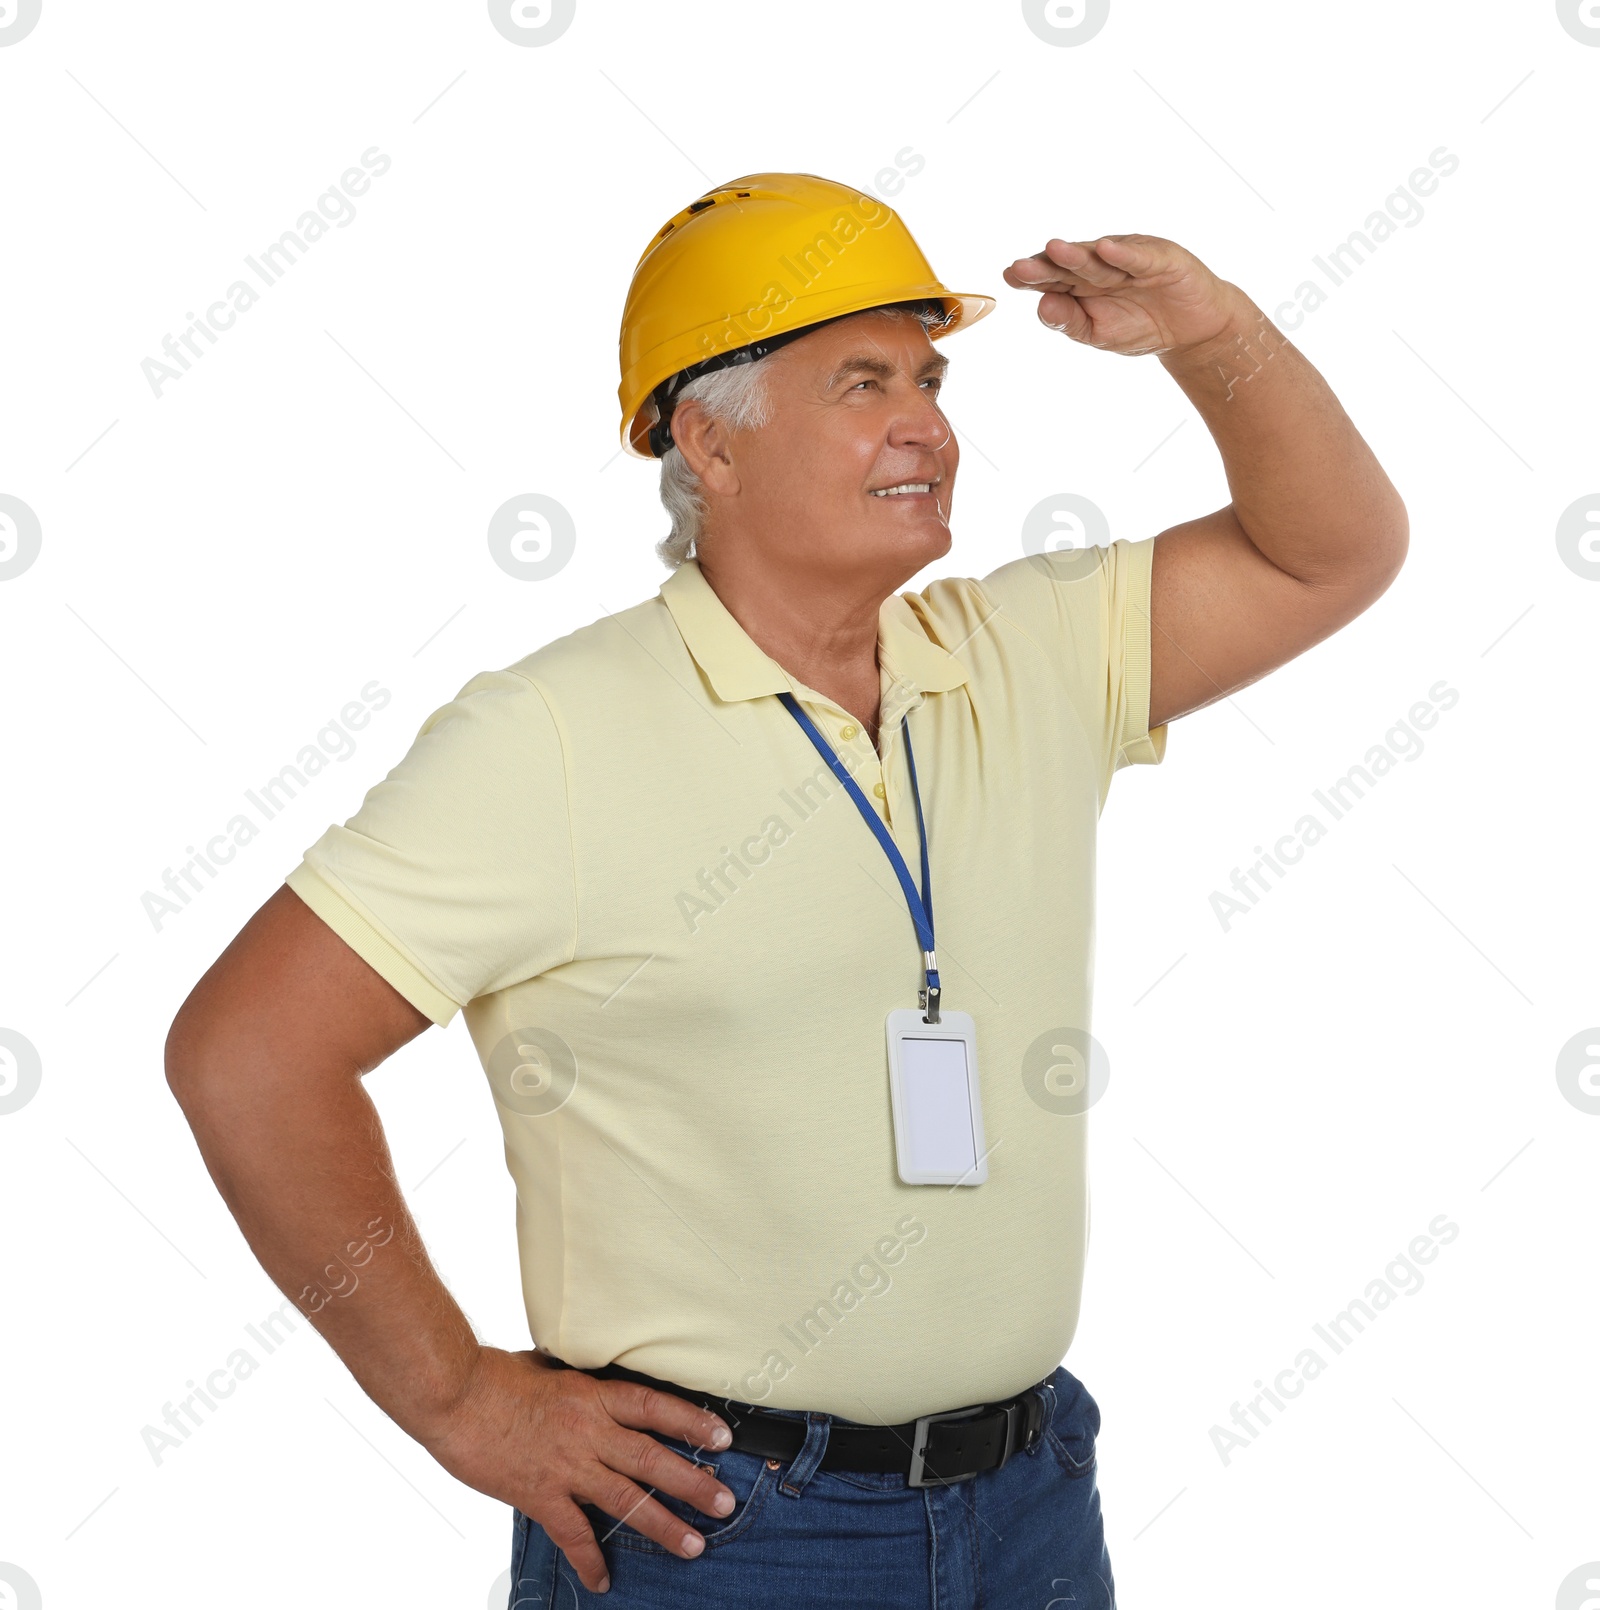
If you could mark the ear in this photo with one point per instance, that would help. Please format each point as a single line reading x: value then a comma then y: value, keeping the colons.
x: 706, y: 445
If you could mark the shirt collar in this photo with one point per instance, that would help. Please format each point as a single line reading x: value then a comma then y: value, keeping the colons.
x: 738, y: 669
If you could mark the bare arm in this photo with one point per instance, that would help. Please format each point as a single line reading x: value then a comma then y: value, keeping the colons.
x: 266, y: 1058
x: 1315, y: 532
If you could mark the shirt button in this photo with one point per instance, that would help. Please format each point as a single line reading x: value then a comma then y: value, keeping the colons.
x: 877, y: 788
x: 849, y: 732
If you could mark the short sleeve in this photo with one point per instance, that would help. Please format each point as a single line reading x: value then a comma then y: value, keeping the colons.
x: 455, y: 878
x: 1088, y: 611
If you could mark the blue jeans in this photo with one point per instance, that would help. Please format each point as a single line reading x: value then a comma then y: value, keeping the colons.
x: 799, y: 1538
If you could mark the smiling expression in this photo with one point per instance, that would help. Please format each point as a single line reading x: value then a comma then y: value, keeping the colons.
x: 856, y: 467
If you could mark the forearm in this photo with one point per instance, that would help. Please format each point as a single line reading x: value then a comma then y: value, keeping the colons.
x: 304, y: 1166
x: 1305, y: 487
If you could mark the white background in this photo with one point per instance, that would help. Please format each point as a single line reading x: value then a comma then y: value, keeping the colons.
x: 223, y: 567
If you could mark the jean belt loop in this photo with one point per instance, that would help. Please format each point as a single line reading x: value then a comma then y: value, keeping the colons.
x: 812, y: 1449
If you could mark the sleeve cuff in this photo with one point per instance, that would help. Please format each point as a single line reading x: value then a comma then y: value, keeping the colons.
x: 380, y: 953
x: 1143, y: 744
x: 1149, y: 750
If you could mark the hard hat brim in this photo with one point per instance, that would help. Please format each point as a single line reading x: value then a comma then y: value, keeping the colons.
x: 961, y: 308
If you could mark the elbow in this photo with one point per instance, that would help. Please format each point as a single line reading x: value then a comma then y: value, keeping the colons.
x: 202, y: 1057
x: 1393, y: 546
x: 179, y: 1060
x: 186, y: 1053
x: 1372, y: 562
x: 1388, y: 540
x: 1399, y: 534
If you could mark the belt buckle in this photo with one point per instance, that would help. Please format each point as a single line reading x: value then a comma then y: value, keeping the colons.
x: 919, y: 1445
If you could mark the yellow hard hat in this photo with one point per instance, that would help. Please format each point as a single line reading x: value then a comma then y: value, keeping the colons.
x: 753, y: 264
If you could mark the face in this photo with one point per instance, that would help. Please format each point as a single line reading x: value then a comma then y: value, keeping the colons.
x: 855, y: 411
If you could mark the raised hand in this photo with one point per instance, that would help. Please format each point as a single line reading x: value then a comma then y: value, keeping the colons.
x: 1132, y: 294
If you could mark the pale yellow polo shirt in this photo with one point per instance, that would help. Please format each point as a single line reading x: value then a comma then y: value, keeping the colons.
x: 675, y: 942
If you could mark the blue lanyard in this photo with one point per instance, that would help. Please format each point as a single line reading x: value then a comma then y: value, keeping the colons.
x: 921, y: 906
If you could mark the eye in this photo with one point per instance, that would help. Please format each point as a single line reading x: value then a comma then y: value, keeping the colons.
x: 936, y: 381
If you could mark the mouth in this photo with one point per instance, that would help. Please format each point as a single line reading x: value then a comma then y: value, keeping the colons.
x: 912, y: 490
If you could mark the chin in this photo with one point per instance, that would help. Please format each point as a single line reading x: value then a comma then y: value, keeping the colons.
x: 899, y: 554
x: 930, y: 541
x: 936, y: 539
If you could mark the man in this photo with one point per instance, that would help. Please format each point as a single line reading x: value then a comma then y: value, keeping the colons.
x: 787, y: 1170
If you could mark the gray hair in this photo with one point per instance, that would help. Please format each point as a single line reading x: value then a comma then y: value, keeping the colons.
x: 740, y: 398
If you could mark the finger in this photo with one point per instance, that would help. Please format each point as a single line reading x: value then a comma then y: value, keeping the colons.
x: 1065, y: 313
x: 1057, y: 287
x: 1035, y: 274
x: 1039, y: 274
x: 1140, y: 255
x: 568, y: 1528
x: 652, y: 1465
x: 1082, y: 260
x: 631, y: 1403
x: 629, y: 1502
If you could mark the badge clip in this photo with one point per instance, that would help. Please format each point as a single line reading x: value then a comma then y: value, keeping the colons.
x: 928, y: 994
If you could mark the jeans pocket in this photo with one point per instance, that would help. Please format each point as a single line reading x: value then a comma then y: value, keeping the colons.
x: 745, y: 1475
x: 1074, y: 1429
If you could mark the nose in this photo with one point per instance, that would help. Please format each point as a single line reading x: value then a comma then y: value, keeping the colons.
x: 920, y: 423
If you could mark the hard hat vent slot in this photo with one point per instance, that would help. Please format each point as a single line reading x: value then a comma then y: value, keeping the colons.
x: 700, y: 206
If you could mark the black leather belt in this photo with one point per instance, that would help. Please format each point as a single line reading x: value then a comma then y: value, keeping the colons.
x: 932, y: 1450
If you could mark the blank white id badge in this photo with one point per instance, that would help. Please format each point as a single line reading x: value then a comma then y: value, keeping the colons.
x: 933, y: 1090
